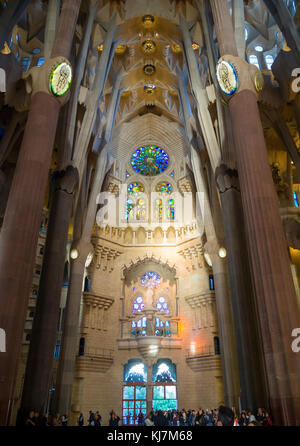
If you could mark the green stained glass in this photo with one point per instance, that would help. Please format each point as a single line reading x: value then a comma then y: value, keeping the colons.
x: 135, y: 188
x: 140, y: 393
x: 164, y: 404
x: 128, y: 393
x: 150, y: 160
x: 164, y: 188
x: 158, y: 210
x: 171, y: 210
x: 158, y: 392
x: 141, y: 210
x: 129, y: 210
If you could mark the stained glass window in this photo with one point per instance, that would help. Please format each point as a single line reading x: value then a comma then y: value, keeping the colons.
x: 162, y: 328
x: 141, y: 210
x: 138, y: 328
x: 129, y: 210
x: 171, y: 210
x: 162, y: 305
x: 158, y: 210
x: 135, y: 188
x: 164, y: 188
x: 150, y: 160
x: 135, y: 371
x: 151, y: 280
x: 164, y: 371
x: 138, y: 305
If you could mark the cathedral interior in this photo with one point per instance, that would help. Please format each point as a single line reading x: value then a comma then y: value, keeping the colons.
x: 149, y: 207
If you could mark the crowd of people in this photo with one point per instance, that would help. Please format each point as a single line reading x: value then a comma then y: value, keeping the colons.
x: 207, y: 418
x: 223, y: 416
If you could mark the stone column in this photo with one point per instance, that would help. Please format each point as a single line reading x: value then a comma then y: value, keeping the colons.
x: 69, y: 348
x: 223, y: 299
x: 19, y: 235
x: 44, y: 331
x: 246, y: 331
x: 66, y: 369
x: 276, y: 301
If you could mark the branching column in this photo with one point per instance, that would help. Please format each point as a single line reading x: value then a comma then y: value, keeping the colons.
x: 19, y: 234
x: 277, y: 308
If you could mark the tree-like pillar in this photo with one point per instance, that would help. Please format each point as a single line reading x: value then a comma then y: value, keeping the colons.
x: 19, y: 234
x: 43, y: 337
x: 276, y: 302
x: 246, y: 331
x: 223, y: 298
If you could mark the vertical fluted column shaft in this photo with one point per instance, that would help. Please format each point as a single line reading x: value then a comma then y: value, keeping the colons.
x: 277, y: 309
x: 19, y: 235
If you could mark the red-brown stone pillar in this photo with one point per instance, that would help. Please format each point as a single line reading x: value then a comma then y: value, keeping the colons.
x: 276, y: 302
x: 19, y: 234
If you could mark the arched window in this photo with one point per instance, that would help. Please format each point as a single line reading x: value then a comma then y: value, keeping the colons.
x: 129, y: 210
x: 269, y: 61
x: 165, y: 391
x: 138, y: 305
x: 134, y: 391
x: 171, y: 210
x: 26, y: 64
x: 253, y: 59
x: 141, y: 210
x: 162, y: 305
x: 158, y: 211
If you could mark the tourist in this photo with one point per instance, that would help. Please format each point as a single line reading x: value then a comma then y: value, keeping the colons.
x: 64, y: 420
x: 226, y: 416
x: 148, y: 420
x: 114, y: 419
x: 80, y: 420
x: 30, y: 422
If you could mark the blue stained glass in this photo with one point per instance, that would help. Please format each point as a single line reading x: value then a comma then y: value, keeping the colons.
x: 134, y: 371
x: 151, y: 280
x: 296, y: 201
x: 150, y: 160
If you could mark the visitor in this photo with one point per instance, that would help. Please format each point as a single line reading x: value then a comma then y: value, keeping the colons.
x: 225, y: 416
x: 64, y: 420
x: 80, y: 421
x: 97, y: 420
x: 260, y: 415
x: 243, y: 419
x: 148, y: 420
x: 30, y: 422
x: 209, y: 420
x: 44, y: 421
x: 37, y: 419
x: 267, y: 421
x: 55, y: 420
x: 114, y: 419
x: 91, y: 418
x: 141, y: 419
x: 200, y: 420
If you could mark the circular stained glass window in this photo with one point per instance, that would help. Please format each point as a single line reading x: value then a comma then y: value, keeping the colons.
x: 150, y: 160
x: 162, y: 305
x: 135, y: 188
x: 151, y: 280
x: 138, y: 305
x: 164, y: 188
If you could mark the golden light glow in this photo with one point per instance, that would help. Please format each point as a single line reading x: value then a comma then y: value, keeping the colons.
x: 149, y: 46
x: 208, y: 259
x: 148, y: 21
x: 100, y: 48
x: 121, y: 49
x: 5, y: 49
x: 176, y: 48
x: 222, y: 253
x: 195, y: 46
x: 74, y: 254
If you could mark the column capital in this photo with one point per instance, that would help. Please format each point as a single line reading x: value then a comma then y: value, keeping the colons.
x: 249, y: 77
x: 38, y: 79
